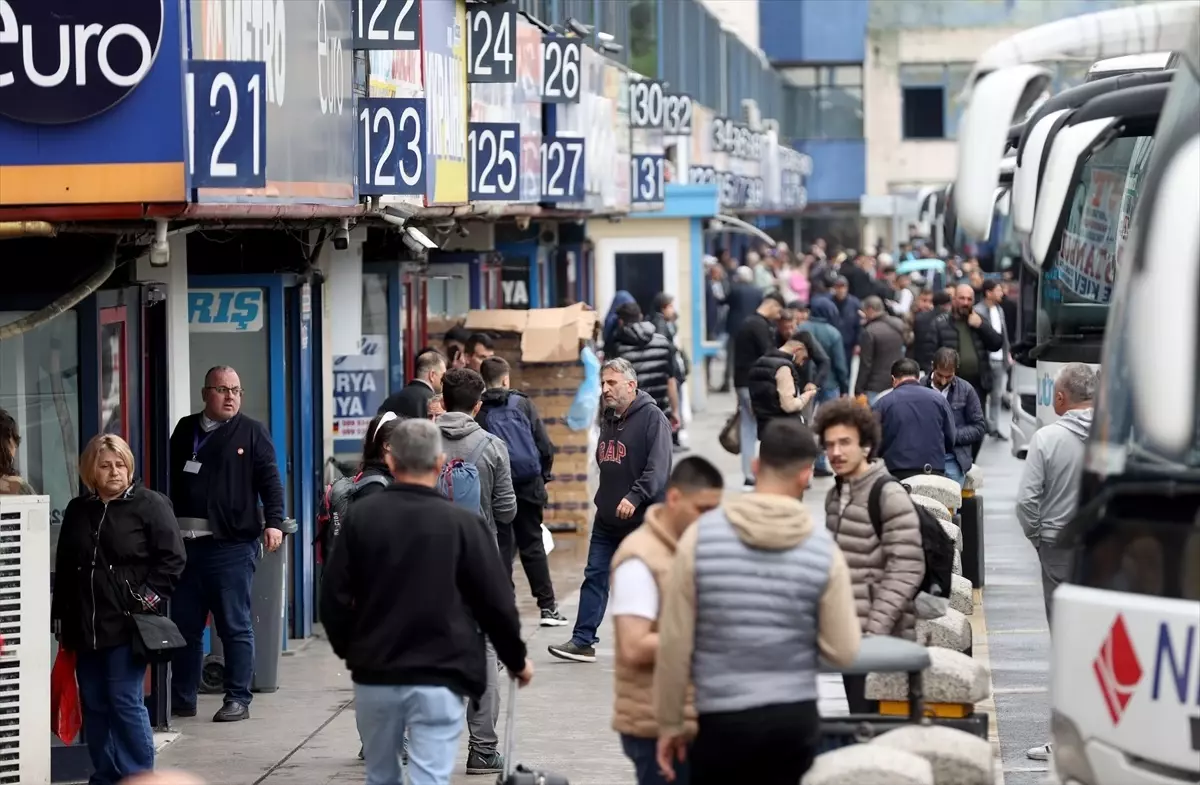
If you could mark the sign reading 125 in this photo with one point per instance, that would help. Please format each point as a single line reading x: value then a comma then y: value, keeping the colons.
x: 494, y: 150
x: 227, y: 124
x: 647, y: 178
x: 391, y: 150
x: 562, y: 169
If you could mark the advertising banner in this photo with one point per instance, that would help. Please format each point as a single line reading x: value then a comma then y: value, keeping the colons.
x: 225, y: 310
x: 602, y: 118
x: 443, y: 41
x: 1087, y: 253
x: 359, y: 388
x: 310, y: 120
x: 106, y: 126
x: 395, y: 74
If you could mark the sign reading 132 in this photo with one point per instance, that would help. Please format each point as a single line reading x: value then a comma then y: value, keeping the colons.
x: 494, y: 151
x: 562, y: 169
x: 227, y: 124
x: 647, y: 178
x: 391, y: 150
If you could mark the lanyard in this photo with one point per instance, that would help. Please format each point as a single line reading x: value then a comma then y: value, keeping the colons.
x: 198, y: 442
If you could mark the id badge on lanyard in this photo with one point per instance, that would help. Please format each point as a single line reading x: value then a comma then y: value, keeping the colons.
x: 193, y: 466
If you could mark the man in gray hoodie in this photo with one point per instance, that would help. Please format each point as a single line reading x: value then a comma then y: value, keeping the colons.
x: 1049, y: 491
x: 464, y: 439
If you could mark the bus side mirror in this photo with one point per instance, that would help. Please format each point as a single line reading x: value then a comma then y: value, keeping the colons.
x: 1164, y: 308
x: 1026, y: 176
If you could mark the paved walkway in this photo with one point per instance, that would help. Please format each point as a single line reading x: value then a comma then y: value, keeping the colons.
x: 305, y: 733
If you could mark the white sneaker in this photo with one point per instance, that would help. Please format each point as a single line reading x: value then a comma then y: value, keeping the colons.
x: 1040, y: 752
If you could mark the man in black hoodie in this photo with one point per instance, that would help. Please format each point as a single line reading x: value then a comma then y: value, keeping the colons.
x: 408, y: 588
x: 634, y: 455
x: 652, y: 356
x: 510, y: 415
x: 754, y: 338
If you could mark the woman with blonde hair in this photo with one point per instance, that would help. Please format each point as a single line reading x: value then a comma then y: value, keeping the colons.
x: 119, y: 553
x: 11, y: 483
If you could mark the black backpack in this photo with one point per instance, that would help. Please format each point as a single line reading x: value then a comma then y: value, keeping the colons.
x: 937, y: 545
x: 335, y: 503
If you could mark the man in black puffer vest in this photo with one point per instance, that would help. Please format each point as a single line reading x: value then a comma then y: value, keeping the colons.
x: 780, y: 383
x: 652, y: 356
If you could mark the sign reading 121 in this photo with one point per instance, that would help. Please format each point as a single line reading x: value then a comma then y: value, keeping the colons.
x: 647, y: 178
x: 494, y: 150
x: 227, y: 124
x: 391, y: 149
x: 563, y: 169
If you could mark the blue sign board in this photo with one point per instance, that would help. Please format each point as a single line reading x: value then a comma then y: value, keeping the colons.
x: 494, y: 161
x: 563, y: 168
x: 227, y: 107
x: 646, y: 177
x: 391, y: 149
x: 226, y: 310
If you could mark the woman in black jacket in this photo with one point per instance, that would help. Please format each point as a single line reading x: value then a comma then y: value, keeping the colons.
x: 119, y: 553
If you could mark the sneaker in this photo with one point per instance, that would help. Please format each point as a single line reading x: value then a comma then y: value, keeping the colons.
x: 552, y: 618
x: 748, y: 485
x: 574, y: 653
x: 1040, y: 752
x: 484, y: 762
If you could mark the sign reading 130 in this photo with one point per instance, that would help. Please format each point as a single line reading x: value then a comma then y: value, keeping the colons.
x: 562, y: 169
x: 227, y: 124
x: 494, y: 151
x: 647, y: 178
x: 391, y: 150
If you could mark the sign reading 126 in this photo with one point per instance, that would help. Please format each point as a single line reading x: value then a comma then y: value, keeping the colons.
x: 494, y: 150
x: 561, y: 60
x: 562, y: 169
x: 391, y: 150
x: 227, y: 124
x: 647, y: 178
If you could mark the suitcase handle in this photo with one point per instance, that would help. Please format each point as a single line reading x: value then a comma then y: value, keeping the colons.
x: 510, y: 729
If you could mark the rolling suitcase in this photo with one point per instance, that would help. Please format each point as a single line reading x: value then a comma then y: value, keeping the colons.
x: 517, y: 774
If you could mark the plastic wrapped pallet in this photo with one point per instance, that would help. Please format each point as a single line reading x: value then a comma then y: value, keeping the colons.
x: 867, y: 764
x: 955, y: 757
x: 962, y: 595
x: 952, y: 677
x: 950, y: 631
x: 943, y: 489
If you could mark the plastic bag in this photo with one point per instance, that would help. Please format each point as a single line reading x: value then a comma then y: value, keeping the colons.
x: 547, y: 540
x: 64, y: 697
x: 587, y: 399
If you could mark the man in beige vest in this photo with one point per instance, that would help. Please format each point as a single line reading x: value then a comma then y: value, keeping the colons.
x: 639, y: 572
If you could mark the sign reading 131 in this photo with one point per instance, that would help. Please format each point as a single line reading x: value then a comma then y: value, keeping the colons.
x: 494, y: 151
x: 563, y: 169
x: 647, y: 178
x: 391, y: 149
x: 227, y: 124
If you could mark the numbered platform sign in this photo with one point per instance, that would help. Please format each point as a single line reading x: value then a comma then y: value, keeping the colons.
x: 491, y: 42
x: 563, y: 167
x: 391, y: 146
x: 494, y: 151
x: 386, y: 24
x: 647, y: 178
x: 227, y: 123
x: 677, y: 114
x: 646, y: 103
x: 561, y: 72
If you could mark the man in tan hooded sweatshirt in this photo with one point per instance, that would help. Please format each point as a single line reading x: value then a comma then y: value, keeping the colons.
x: 756, y: 593
x: 640, y: 567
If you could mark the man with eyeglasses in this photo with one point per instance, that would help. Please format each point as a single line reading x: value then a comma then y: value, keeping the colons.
x: 222, y: 467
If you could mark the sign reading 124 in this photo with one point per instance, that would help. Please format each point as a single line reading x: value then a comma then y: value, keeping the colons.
x: 391, y: 150
x: 562, y: 169
x: 227, y: 124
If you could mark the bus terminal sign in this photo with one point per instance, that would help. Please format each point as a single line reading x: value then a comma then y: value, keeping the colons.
x: 69, y: 60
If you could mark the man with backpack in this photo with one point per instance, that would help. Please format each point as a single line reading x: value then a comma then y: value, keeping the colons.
x: 477, y: 477
x: 510, y: 415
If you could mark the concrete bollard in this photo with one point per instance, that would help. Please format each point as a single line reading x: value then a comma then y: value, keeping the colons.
x: 938, y: 509
x: 952, y: 677
x: 971, y: 521
x: 867, y: 764
x: 951, y: 631
x: 956, y: 757
x: 962, y: 595
x: 953, y: 532
x: 957, y: 567
x: 974, y: 479
x: 935, y: 486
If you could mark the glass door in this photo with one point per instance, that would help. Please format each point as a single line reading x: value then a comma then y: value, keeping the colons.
x: 114, y: 367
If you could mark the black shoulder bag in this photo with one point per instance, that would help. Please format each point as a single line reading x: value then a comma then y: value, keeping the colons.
x: 155, y: 638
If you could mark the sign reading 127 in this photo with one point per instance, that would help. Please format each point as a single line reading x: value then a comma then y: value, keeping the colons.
x: 563, y: 169
x: 227, y: 124
x: 391, y: 148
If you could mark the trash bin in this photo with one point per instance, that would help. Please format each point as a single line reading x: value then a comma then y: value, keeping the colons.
x: 268, y: 612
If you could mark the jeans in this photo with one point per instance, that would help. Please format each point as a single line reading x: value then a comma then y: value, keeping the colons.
x: 747, y: 431
x: 116, y: 724
x: 953, y: 470
x: 643, y: 753
x: 871, y: 398
x: 483, y: 714
x: 822, y: 397
x: 995, y: 406
x: 593, y: 596
x: 434, y: 719
x: 527, y: 530
x: 218, y: 579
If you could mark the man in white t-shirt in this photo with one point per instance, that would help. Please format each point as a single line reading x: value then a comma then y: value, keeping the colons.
x: 640, y: 568
x: 992, y: 294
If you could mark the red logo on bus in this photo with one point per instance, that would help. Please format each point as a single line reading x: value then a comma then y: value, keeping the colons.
x: 1117, y: 669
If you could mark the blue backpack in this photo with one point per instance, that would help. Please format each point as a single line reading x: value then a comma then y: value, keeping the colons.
x: 511, y: 425
x: 459, y: 481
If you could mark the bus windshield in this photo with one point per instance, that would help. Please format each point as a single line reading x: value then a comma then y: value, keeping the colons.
x: 1077, y: 288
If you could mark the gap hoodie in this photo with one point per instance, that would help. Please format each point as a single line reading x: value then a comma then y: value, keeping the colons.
x: 1049, y: 491
x: 634, y: 455
x: 461, y: 436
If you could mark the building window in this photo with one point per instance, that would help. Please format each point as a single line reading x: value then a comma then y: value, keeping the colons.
x: 643, y: 37
x: 930, y: 94
x: 828, y: 102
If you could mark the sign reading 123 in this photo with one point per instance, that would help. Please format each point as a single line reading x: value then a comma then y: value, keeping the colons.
x: 391, y: 150
x: 227, y: 124
x: 494, y: 150
x: 647, y: 178
x: 562, y: 169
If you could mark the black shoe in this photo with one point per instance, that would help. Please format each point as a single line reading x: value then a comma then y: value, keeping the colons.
x: 569, y: 651
x: 484, y: 762
x: 552, y: 618
x: 232, y: 711
x: 183, y: 711
x: 749, y: 484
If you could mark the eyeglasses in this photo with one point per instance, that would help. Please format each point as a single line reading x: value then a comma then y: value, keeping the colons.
x: 236, y: 392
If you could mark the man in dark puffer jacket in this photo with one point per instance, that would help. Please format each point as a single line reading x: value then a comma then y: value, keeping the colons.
x: 651, y: 355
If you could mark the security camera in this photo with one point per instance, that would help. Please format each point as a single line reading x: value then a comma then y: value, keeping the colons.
x: 605, y: 37
x: 609, y: 48
x: 397, y: 214
x: 160, y: 250
x: 462, y: 231
x: 417, y: 241
x: 522, y: 222
x: 341, y: 238
x: 578, y: 28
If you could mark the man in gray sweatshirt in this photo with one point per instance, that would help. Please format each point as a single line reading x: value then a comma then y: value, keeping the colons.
x: 1049, y: 491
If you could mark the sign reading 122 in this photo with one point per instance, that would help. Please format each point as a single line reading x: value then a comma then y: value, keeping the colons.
x: 563, y: 169
x: 227, y: 124
x: 391, y: 149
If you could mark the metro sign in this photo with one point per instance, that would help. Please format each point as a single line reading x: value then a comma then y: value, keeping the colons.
x: 1175, y: 675
x: 63, y: 61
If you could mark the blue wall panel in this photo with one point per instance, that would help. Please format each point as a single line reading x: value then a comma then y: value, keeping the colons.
x: 813, y: 31
x: 839, y: 169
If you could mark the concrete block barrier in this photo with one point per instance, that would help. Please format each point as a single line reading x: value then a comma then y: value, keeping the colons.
x: 956, y: 568
x: 962, y: 595
x: 868, y: 764
x: 954, y: 533
x: 952, y: 677
x: 945, y: 490
x: 951, y: 631
x: 956, y: 757
x: 974, y: 479
x: 938, y: 509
